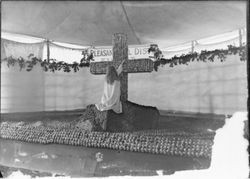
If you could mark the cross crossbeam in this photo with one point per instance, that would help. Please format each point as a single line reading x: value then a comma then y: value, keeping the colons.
x: 130, y: 66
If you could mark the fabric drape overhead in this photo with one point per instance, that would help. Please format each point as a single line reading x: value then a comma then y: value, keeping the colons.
x: 21, y: 91
x: 93, y: 23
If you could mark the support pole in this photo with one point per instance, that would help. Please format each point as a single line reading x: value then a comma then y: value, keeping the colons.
x: 240, y: 37
x: 192, y: 44
x: 48, y: 51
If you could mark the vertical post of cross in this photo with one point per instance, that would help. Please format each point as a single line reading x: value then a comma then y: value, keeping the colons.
x: 120, y: 53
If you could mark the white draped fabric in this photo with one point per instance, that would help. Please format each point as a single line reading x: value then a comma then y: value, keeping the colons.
x: 21, y: 90
x: 17, y: 49
x: 65, y: 54
x: 111, y: 98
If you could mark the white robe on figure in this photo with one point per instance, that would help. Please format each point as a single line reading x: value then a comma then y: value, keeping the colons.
x: 111, y: 96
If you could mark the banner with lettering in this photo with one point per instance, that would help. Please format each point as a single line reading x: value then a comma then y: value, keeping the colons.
x: 105, y: 53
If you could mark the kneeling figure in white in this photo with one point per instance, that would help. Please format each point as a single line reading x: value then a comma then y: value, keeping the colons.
x: 112, y: 92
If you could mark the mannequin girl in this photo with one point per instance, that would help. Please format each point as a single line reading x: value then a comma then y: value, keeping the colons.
x: 112, y: 92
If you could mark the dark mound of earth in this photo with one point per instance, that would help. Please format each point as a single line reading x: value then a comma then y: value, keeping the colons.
x: 134, y: 117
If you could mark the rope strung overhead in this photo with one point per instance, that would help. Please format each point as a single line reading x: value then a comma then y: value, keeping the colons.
x: 130, y: 25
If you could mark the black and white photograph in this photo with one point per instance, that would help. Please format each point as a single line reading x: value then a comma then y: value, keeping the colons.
x: 124, y: 89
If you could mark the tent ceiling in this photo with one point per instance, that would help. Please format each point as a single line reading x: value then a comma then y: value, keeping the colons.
x: 93, y: 23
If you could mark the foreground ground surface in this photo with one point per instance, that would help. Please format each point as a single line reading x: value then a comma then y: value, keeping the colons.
x: 43, y: 160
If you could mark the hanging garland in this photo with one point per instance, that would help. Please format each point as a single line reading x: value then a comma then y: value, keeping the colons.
x: 49, y: 64
x: 54, y: 65
x: 204, y: 56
